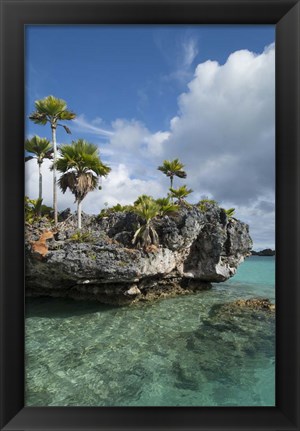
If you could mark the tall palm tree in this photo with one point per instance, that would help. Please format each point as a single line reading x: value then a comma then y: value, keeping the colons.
x: 52, y: 110
x: 180, y: 194
x: 42, y: 149
x: 81, y: 169
x: 172, y: 168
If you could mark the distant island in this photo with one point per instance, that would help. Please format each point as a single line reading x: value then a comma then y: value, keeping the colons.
x: 265, y: 252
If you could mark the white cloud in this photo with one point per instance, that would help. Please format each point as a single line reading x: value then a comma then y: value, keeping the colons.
x: 133, y: 145
x: 190, y: 52
x: 118, y: 187
x: 31, y: 185
x: 179, y: 54
x: 261, y: 218
x: 82, y: 125
x: 224, y: 133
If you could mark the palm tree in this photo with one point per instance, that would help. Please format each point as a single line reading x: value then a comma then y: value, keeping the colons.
x: 166, y: 206
x: 146, y: 235
x: 230, y: 212
x: 172, y: 168
x: 42, y: 149
x: 34, y: 208
x: 180, y: 194
x: 81, y: 170
x: 143, y: 199
x: 52, y: 110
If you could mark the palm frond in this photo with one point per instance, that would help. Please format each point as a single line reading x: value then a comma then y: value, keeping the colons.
x: 180, y: 174
x: 172, y: 168
x: 67, y: 115
x: 82, y: 156
x: 50, y: 105
x: 40, y: 147
x: 229, y: 212
x: 166, y: 206
x: 147, y: 210
x: 38, y: 118
x: 180, y: 193
x: 143, y: 199
x: 67, y: 129
x: 51, y: 109
x: 81, y: 168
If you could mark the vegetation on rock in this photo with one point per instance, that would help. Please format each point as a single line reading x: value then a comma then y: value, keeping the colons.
x: 81, y: 237
x: 230, y: 212
x: 34, y: 210
x: 166, y: 207
x: 205, y: 204
x: 180, y: 194
x: 146, y: 235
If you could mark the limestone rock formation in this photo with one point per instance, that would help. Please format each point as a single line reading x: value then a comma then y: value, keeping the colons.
x: 195, y: 248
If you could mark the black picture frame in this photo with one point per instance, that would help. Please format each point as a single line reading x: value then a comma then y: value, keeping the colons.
x: 285, y: 15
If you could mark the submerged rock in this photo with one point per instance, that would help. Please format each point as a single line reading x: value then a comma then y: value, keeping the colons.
x: 195, y: 248
x: 232, y: 313
x: 260, y: 304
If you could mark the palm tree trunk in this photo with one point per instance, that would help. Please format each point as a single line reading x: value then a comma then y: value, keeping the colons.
x: 40, y: 181
x: 54, y: 173
x: 79, y: 214
x: 171, y: 180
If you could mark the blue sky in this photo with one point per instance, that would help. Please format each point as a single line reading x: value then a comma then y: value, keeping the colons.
x: 138, y: 92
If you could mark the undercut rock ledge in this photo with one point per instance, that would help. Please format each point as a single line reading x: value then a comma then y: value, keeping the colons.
x: 195, y: 249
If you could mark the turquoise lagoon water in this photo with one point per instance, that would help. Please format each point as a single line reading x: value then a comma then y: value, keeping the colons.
x: 174, y: 352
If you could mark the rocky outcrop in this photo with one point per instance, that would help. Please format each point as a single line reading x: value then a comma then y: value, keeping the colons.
x: 195, y: 249
x: 251, y: 304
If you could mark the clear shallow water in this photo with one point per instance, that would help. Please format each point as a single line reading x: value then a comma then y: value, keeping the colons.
x: 174, y: 352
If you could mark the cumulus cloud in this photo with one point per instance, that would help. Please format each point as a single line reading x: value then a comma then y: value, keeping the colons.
x: 224, y: 133
x: 225, y: 127
x: 118, y: 187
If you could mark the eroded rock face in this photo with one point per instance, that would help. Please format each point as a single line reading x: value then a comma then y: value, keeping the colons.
x: 195, y: 248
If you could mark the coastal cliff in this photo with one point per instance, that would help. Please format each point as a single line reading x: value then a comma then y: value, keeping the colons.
x: 195, y: 248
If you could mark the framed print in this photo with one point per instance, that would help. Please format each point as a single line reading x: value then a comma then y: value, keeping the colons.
x: 135, y: 314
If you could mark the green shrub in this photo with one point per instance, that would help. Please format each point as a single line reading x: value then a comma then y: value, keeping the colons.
x: 180, y: 194
x: 34, y: 210
x: 143, y: 200
x: 166, y: 206
x: 230, y: 212
x: 105, y: 212
x: 204, y: 204
x: 81, y: 237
